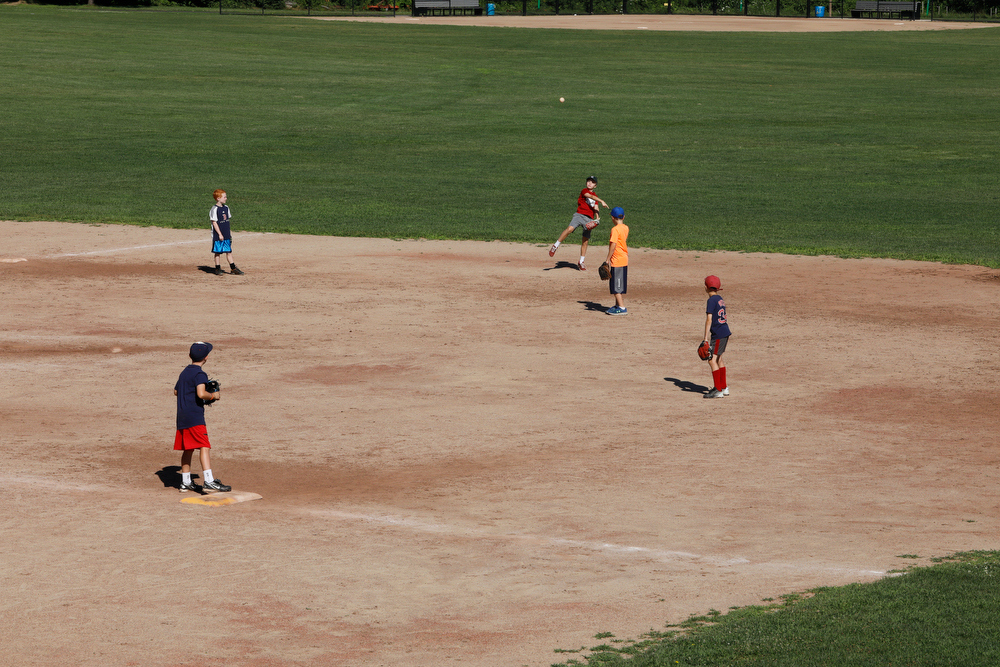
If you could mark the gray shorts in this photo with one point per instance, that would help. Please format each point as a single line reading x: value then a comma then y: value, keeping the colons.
x: 719, y: 345
x: 619, y: 280
x: 579, y: 220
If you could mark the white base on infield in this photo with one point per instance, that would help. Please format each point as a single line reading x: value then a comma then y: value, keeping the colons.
x: 219, y: 499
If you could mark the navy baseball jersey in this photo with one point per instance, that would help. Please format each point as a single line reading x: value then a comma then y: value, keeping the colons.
x: 220, y: 214
x: 717, y: 308
x: 190, y: 408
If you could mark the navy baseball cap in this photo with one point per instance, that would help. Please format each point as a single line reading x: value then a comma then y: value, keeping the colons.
x: 200, y: 350
x: 592, y: 178
x: 617, y: 212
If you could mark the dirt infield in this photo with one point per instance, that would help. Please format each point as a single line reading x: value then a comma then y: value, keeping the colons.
x: 672, y: 22
x: 462, y: 459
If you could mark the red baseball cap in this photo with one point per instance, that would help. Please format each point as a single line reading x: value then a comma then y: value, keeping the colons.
x: 713, y: 282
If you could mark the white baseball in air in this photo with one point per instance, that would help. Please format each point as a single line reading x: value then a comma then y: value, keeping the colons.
x: 562, y: 99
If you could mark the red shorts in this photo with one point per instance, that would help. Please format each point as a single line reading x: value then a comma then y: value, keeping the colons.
x: 195, y: 437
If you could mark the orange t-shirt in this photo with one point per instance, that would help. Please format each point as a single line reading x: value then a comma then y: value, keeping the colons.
x: 619, y: 234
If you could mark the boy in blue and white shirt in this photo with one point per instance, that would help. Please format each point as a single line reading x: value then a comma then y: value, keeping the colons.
x: 222, y: 236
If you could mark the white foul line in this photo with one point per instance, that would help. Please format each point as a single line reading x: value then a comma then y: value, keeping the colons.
x: 243, y: 236
x: 603, y: 547
x: 606, y: 547
x: 439, y: 528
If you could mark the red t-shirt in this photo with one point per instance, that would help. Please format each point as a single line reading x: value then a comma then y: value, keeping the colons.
x: 584, y: 205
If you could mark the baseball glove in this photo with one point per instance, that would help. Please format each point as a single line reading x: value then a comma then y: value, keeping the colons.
x: 211, y: 387
x: 604, y: 271
x: 705, y: 351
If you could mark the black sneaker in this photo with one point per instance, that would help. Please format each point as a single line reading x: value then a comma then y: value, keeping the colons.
x: 216, y: 485
x: 219, y: 271
x: 184, y: 488
x: 236, y: 271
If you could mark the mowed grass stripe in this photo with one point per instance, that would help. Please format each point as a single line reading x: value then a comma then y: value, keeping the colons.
x: 855, y: 144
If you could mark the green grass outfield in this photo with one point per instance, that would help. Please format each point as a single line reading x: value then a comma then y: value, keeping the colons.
x: 853, y: 144
x: 940, y: 615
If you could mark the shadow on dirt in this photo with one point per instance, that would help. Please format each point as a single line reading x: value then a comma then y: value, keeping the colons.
x: 594, y: 306
x: 563, y: 265
x: 685, y: 385
x: 171, y: 476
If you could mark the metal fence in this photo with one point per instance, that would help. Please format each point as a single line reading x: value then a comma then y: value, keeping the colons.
x: 963, y: 10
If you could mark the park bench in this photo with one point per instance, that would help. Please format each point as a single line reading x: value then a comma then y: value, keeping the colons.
x: 429, y: 7
x: 886, y: 9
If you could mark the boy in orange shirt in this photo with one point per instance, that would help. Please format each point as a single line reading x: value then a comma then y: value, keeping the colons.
x: 618, y: 261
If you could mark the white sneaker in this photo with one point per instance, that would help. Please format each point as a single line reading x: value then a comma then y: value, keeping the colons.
x: 725, y: 392
x: 714, y: 393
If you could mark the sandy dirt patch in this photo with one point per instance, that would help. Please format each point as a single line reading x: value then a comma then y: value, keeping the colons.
x: 462, y: 458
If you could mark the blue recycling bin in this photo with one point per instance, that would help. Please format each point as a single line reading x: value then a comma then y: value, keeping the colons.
x: 820, y: 11
x: 491, y: 9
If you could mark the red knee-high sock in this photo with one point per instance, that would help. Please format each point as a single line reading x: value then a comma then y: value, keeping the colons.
x: 717, y: 378
x: 722, y: 374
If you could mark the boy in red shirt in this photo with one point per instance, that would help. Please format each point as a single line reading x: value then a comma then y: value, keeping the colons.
x: 586, y: 216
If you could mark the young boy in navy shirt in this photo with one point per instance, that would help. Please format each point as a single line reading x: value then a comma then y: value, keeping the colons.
x: 222, y: 234
x: 192, y: 433
x: 717, y: 333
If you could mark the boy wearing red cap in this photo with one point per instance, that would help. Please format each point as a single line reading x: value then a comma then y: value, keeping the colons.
x: 192, y: 434
x: 717, y: 334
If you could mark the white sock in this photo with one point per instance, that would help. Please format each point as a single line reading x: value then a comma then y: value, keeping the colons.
x: 186, y: 478
x: 556, y: 244
x: 207, y: 475
x: 582, y: 258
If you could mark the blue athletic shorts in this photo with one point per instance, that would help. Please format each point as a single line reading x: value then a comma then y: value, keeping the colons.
x: 223, y: 246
